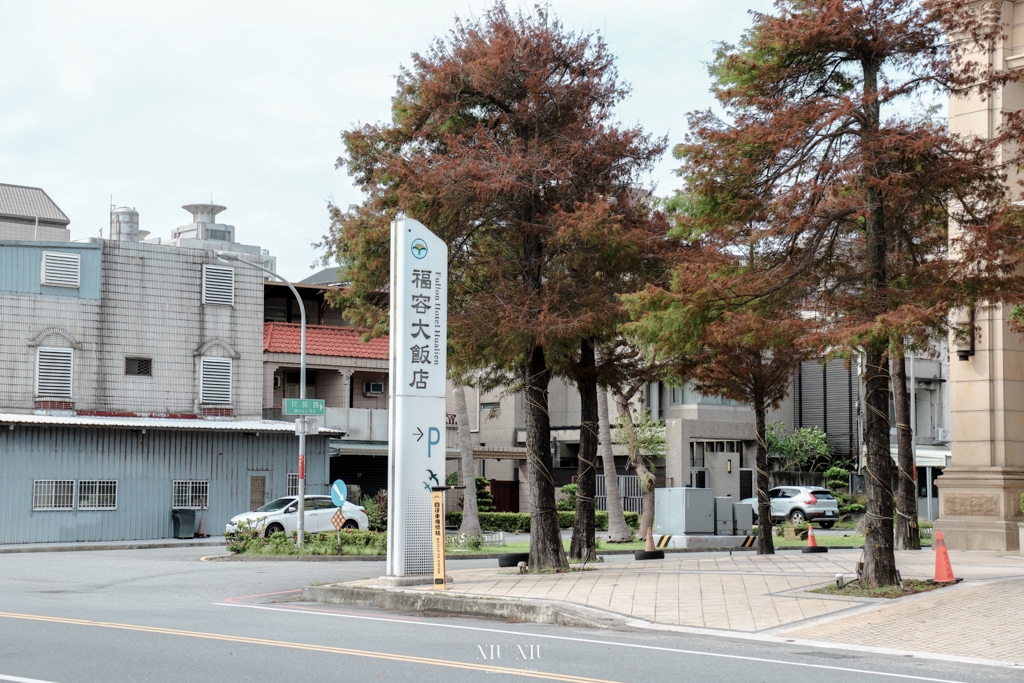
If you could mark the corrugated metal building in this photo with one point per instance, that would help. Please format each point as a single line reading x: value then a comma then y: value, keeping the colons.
x: 56, y: 477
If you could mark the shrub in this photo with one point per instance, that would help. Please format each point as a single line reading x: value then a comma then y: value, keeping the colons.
x: 245, y: 536
x: 837, y: 478
x: 569, y: 502
x: 519, y: 522
x: 484, y: 499
x: 1022, y: 503
x: 377, y: 511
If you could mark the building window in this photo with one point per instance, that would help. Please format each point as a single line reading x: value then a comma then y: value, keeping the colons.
x: 292, y: 487
x: 490, y: 411
x: 219, y: 285
x: 61, y: 269
x: 691, y: 396
x: 191, y: 494
x: 97, y: 495
x: 216, y: 381
x: 677, y: 396
x: 697, y: 454
x: 141, y: 367
x: 219, y: 235
x: 53, y: 494
x: 53, y: 372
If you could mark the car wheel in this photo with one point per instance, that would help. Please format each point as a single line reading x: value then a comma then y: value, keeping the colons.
x: 272, y: 529
x: 350, y: 524
x: 826, y: 525
x: 797, y: 517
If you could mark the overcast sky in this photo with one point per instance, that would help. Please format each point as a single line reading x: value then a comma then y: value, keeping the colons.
x: 160, y: 104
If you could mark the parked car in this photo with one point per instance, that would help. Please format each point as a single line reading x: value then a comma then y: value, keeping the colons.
x: 801, y: 504
x: 282, y: 515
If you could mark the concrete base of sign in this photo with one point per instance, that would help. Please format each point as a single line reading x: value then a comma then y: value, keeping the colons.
x: 699, y: 541
x: 415, y: 580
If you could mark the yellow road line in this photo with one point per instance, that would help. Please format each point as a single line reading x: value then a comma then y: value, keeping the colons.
x: 409, y: 659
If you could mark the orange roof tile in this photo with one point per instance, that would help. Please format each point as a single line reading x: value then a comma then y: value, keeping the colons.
x: 322, y: 340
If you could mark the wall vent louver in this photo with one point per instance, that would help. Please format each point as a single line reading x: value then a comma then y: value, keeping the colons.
x: 219, y: 285
x: 216, y: 381
x: 53, y: 373
x: 60, y: 269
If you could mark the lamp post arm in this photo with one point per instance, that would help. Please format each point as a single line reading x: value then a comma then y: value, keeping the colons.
x: 302, y: 388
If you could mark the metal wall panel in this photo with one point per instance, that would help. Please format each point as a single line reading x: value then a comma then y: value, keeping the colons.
x: 144, y: 465
x: 20, y: 268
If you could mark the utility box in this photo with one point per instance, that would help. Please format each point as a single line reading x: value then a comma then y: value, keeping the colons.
x: 743, y: 518
x: 723, y: 516
x: 684, y: 511
x: 184, y: 522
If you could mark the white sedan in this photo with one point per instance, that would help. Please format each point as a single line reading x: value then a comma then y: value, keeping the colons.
x: 282, y: 515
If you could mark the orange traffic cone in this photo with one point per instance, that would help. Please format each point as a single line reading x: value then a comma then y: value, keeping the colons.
x: 812, y: 543
x: 943, y: 569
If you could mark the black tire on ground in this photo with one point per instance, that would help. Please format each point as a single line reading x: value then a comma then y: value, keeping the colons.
x: 350, y: 524
x: 272, y: 529
x: 648, y: 554
x: 826, y: 525
x: 816, y: 549
x: 513, y: 559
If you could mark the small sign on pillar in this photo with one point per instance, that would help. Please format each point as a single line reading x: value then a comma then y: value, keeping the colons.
x: 437, y: 524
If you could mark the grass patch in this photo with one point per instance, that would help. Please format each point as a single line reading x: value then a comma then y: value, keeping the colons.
x: 855, y: 590
x: 848, y: 541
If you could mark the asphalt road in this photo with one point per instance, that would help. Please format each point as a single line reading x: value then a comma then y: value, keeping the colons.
x: 163, y: 615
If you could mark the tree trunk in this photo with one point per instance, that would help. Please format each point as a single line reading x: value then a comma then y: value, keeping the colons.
x: 618, y: 530
x: 765, y: 545
x: 908, y: 535
x: 470, y: 516
x: 636, y: 459
x: 546, y: 550
x: 583, y: 542
x: 879, y: 560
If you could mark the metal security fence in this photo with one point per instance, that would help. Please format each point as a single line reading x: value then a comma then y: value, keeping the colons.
x: 192, y: 494
x: 631, y: 493
x: 97, y: 494
x: 53, y: 494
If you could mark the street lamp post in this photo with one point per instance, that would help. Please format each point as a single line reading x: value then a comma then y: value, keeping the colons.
x: 227, y: 256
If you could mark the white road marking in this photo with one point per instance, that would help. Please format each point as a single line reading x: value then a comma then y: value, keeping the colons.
x: 609, y: 642
x: 19, y: 679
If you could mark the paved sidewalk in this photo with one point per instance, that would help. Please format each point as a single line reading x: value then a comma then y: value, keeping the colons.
x: 212, y: 541
x: 753, y: 594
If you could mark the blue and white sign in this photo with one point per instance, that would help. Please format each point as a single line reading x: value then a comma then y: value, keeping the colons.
x: 339, y: 492
x: 416, y: 403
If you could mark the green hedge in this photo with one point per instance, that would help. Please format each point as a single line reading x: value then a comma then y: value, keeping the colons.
x: 519, y: 522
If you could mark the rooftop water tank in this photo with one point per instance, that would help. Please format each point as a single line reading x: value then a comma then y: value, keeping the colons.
x: 124, y: 224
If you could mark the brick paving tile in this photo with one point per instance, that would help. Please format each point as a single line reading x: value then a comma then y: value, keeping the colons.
x: 979, y: 620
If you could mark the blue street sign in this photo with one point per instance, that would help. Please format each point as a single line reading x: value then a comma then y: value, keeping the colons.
x: 339, y: 492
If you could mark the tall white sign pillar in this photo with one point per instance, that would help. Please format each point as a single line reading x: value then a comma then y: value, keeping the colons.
x: 416, y: 402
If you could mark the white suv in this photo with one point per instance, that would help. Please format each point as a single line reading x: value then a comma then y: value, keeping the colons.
x: 801, y: 504
x: 282, y: 515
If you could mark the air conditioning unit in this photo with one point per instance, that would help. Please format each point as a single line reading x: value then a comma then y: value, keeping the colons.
x: 373, y: 388
x: 941, y: 435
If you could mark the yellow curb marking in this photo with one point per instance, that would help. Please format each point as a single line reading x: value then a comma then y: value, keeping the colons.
x: 409, y: 659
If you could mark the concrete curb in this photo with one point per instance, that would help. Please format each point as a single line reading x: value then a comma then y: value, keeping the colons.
x: 294, y: 558
x: 110, y: 546
x: 514, y: 609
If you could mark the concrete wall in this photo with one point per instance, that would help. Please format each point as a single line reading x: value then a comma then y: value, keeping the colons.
x: 359, y: 424
x: 136, y: 300
x: 19, y: 230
